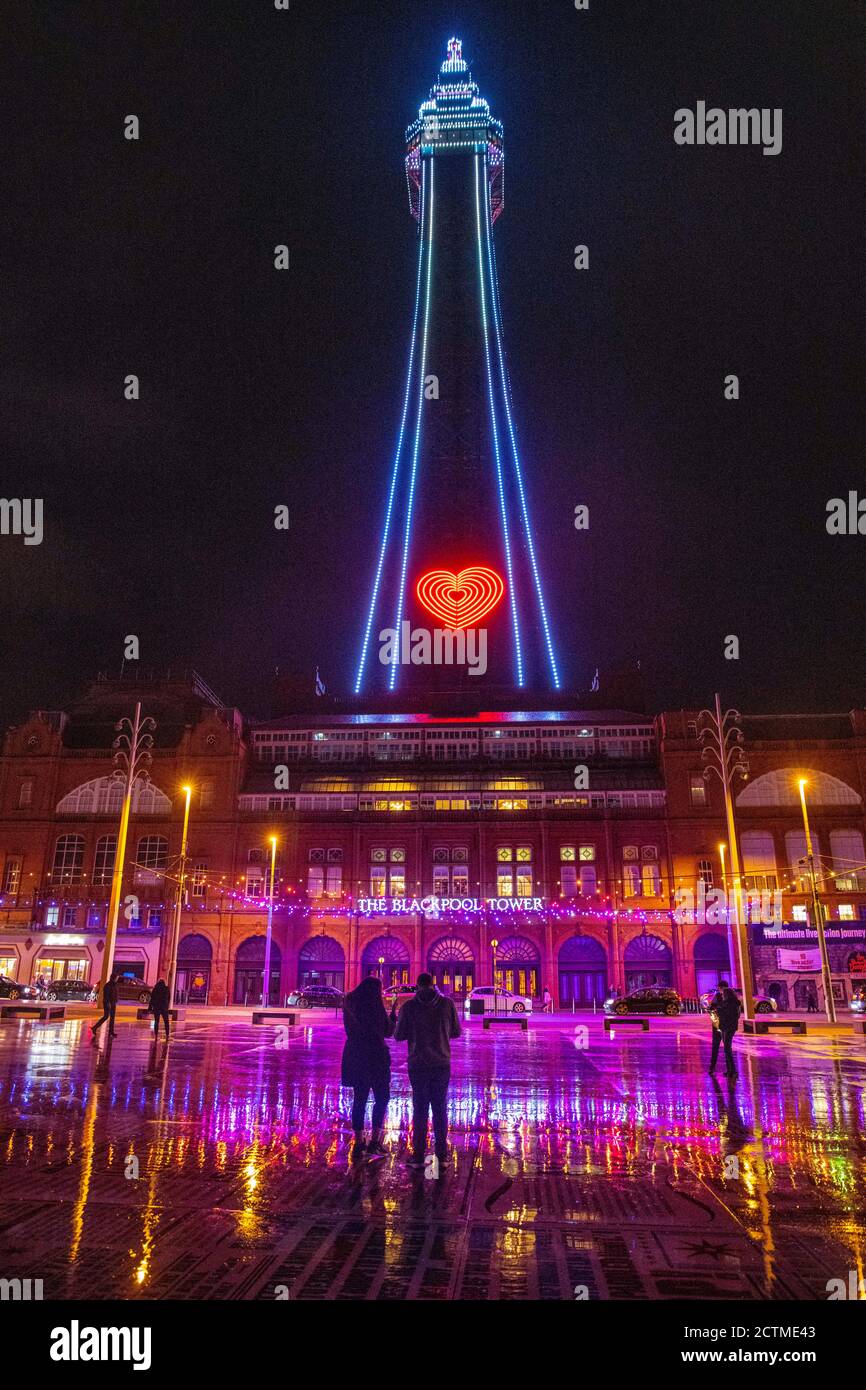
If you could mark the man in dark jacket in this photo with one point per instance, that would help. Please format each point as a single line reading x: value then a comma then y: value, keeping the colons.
x: 158, y: 1006
x: 109, y: 1007
x: 727, y: 1009
x: 428, y: 1023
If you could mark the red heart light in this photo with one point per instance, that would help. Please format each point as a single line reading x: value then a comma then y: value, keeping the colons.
x: 460, y: 600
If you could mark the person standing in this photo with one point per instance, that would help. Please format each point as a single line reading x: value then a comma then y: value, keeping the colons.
x: 366, y: 1064
x: 109, y: 1006
x: 547, y: 1001
x: 428, y: 1023
x: 725, y: 1010
x: 158, y: 1006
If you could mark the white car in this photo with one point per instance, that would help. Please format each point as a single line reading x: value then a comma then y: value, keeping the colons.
x: 497, y: 1000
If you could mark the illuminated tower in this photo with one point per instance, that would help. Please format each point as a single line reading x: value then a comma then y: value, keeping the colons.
x: 456, y: 498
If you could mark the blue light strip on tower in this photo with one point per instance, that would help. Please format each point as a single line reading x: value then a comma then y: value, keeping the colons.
x: 497, y: 320
x: 396, y: 470
x: 392, y: 680
x: 502, y: 509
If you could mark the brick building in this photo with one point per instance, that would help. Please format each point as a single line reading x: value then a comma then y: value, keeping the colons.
x: 410, y: 839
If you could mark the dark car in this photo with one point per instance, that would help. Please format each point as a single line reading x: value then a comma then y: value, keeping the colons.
x: 316, y: 997
x: 397, y: 995
x: 71, y: 990
x: 129, y: 987
x: 11, y: 989
x: 653, y: 1000
x: 764, y: 1003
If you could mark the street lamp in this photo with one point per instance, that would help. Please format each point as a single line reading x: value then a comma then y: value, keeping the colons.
x: 266, y: 981
x: 493, y: 944
x: 178, y: 907
x: 818, y: 911
x: 381, y: 963
x: 132, y: 758
x: 724, y: 754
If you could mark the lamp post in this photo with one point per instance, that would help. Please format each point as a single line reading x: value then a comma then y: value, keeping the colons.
x: 818, y: 912
x: 724, y: 754
x: 381, y: 972
x: 266, y: 981
x: 178, y: 907
x: 493, y: 945
x: 132, y: 758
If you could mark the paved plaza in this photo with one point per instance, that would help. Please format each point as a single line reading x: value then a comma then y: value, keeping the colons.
x: 583, y: 1165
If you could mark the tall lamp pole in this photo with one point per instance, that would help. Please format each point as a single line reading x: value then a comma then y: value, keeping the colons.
x: 724, y: 755
x: 493, y: 945
x: 266, y: 981
x: 818, y: 912
x: 178, y: 907
x: 132, y: 759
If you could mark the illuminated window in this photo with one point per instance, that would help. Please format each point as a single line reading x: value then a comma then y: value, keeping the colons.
x: 199, y: 878
x: 587, y: 853
x: 705, y: 872
x: 103, y: 860
x: 70, y: 915
x: 651, y: 881
x: 567, y: 854
x: 12, y: 876
x: 504, y: 852
x: 315, y: 880
x: 697, y: 790
x: 846, y: 912
x: 631, y: 880
x: 524, y: 854
x: 206, y: 794
x: 68, y: 866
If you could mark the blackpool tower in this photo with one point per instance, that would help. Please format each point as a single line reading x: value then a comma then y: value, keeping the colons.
x: 457, y: 549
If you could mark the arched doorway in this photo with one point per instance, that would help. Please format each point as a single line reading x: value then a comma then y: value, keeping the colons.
x: 452, y: 965
x: 194, y: 959
x: 582, y: 971
x: 249, y: 971
x: 395, y: 957
x: 648, y: 961
x: 322, y: 961
x: 518, y: 966
x: 712, y: 961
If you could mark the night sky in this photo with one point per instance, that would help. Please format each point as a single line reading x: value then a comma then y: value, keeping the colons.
x: 258, y: 127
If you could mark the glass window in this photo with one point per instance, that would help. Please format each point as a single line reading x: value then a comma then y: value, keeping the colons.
x: 567, y: 854
x: 588, y: 882
x: 68, y: 866
x: 12, y: 876
x: 568, y: 880
x: 651, y: 881
x: 199, y: 879
x: 334, y: 888
x: 151, y: 858
x: 697, y: 790
x: 587, y: 853
x: 631, y: 880
x: 504, y: 882
x: 103, y: 860
x: 25, y: 792
x: 504, y: 853
x: 315, y: 880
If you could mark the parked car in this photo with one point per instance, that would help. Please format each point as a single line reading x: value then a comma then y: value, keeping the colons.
x: 497, y: 1000
x: 764, y: 1003
x: 72, y: 990
x: 130, y: 987
x: 398, y: 994
x: 316, y: 997
x: 655, y: 999
x: 11, y: 989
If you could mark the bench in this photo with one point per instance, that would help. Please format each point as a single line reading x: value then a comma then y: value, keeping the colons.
x: 506, y: 1018
x: 612, y: 1020
x: 46, y: 1012
x: 859, y: 1025
x: 145, y: 1013
x: 761, y: 1026
x: 288, y: 1016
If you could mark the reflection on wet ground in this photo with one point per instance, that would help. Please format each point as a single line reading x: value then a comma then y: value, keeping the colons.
x: 218, y: 1167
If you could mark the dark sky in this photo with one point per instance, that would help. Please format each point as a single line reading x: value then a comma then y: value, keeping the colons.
x: 258, y: 388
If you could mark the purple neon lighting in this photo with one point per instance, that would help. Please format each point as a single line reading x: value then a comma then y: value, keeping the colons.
x: 502, y: 509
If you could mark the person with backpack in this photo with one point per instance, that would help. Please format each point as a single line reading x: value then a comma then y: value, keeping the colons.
x: 428, y: 1023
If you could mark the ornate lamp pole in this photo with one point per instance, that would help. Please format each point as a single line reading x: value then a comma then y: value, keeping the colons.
x: 132, y: 759
x: 724, y: 754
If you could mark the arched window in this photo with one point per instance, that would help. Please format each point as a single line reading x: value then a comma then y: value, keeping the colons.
x: 104, y: 796
x: 249, y: 971
x: 394, y: 958
x: 518, y: 966
x: 582, y: 971
x: 648, y: 962
x: 780, y: 788
x: 68, y: 865
x: 451, y: 963
x: 849, y: 862
x: 712, y: 960
x: 322, y: 961
x: 759, y: 860
x: 151, y: 859
x: 103, y: 860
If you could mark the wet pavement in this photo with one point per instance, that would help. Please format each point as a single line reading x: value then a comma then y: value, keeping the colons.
x: 583, y: 1165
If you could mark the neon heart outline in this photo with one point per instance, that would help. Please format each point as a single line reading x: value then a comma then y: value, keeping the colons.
x: 482, y: 588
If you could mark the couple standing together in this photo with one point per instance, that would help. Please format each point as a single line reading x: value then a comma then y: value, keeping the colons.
x: 427, y: 1022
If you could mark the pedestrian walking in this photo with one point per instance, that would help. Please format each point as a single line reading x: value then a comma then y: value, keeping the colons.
x: 547, y: 1001
x: 366, y: 1064
x: 158, y: 1006
x: 725, y: 1010
x: 428, y: 1023
x: 109, y: 1006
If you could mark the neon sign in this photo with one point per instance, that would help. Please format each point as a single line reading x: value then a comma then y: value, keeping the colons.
x: 460, y: 600
x: 432, y: 905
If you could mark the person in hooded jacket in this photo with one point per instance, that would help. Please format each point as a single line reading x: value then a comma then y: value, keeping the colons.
x: 366, y: 1063
x: 158, y: 1006
x: 428, y: 1023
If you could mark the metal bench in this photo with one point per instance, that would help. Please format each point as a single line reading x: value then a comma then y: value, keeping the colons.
x: 506, y: 1018
x: 859, y: 1025
x: 611, y: 1021
x: 46, y: 1012
x: 761, y: 1026
x: 145, y: 1013
x: 288, y: 1016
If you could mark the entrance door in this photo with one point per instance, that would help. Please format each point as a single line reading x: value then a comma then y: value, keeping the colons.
x: 519, y: 979
x: 582, y: 987
x: 456, y: 978
x: 248, y: 985
x: 193, y: 983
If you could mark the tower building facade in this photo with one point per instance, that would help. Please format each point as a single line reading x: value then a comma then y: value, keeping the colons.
x: 457, y: 549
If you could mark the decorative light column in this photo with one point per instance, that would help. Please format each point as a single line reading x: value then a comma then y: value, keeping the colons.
x: 266, y: 982
x: 724, y: 755
x: 132, y: 758
x: 178, y: 907
x: 818, y: 912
